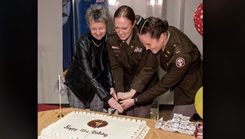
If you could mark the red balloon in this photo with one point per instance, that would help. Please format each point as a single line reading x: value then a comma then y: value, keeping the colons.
x: 198, y: 19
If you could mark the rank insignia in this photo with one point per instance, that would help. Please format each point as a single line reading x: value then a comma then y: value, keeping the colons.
x: 177, y: 50
x: 180, y: 62
x: 137, y: 49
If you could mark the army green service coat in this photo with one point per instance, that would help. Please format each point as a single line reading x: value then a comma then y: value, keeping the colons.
x: 183, y: 65
x: 132, y: 65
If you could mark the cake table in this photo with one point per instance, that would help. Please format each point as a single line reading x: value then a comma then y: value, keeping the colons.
x: 45, y: 118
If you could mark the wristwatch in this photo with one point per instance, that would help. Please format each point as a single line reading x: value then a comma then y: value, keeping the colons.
x: 135, y: 101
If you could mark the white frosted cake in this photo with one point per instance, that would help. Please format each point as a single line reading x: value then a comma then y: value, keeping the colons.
x: 86, y: 125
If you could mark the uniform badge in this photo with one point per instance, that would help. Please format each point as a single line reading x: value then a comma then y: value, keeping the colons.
x: 180, y: 62
x: 137, y: 49
x: 177, y: 50
x: 115, y: 47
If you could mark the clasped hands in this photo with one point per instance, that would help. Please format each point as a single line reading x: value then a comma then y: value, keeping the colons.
x: 121, y: 100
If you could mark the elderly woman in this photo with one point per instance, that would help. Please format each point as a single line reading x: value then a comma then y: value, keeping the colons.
x: 89, y: 78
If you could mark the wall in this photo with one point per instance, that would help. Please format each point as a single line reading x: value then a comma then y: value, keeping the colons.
x: 49, y: 49
x: 179, y: 13
x: 189, y: 29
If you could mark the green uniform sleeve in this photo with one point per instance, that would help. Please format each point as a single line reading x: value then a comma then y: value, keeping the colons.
x: 146, y: 73
x: 174, y: 74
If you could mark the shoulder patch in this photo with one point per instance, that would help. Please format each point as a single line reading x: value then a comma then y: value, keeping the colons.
x: 180, y: 62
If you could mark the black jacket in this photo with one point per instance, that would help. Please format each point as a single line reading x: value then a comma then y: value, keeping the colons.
x: 86, y: 76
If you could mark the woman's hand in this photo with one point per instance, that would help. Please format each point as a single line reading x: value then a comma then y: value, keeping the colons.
x: 113, y: 93
x: 127, y: 103
x: 126, y: 95
x: 114, y: 104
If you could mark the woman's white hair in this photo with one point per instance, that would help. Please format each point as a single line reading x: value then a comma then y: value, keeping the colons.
x: 97, y: 13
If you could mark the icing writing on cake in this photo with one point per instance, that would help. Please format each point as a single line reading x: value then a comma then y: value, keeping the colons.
x: 84, y: 130
x: 68, y: 127
x: 99, y: 133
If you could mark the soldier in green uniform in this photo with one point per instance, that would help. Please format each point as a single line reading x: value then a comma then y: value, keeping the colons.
x: 181, y: 60
x: 134, y: 69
